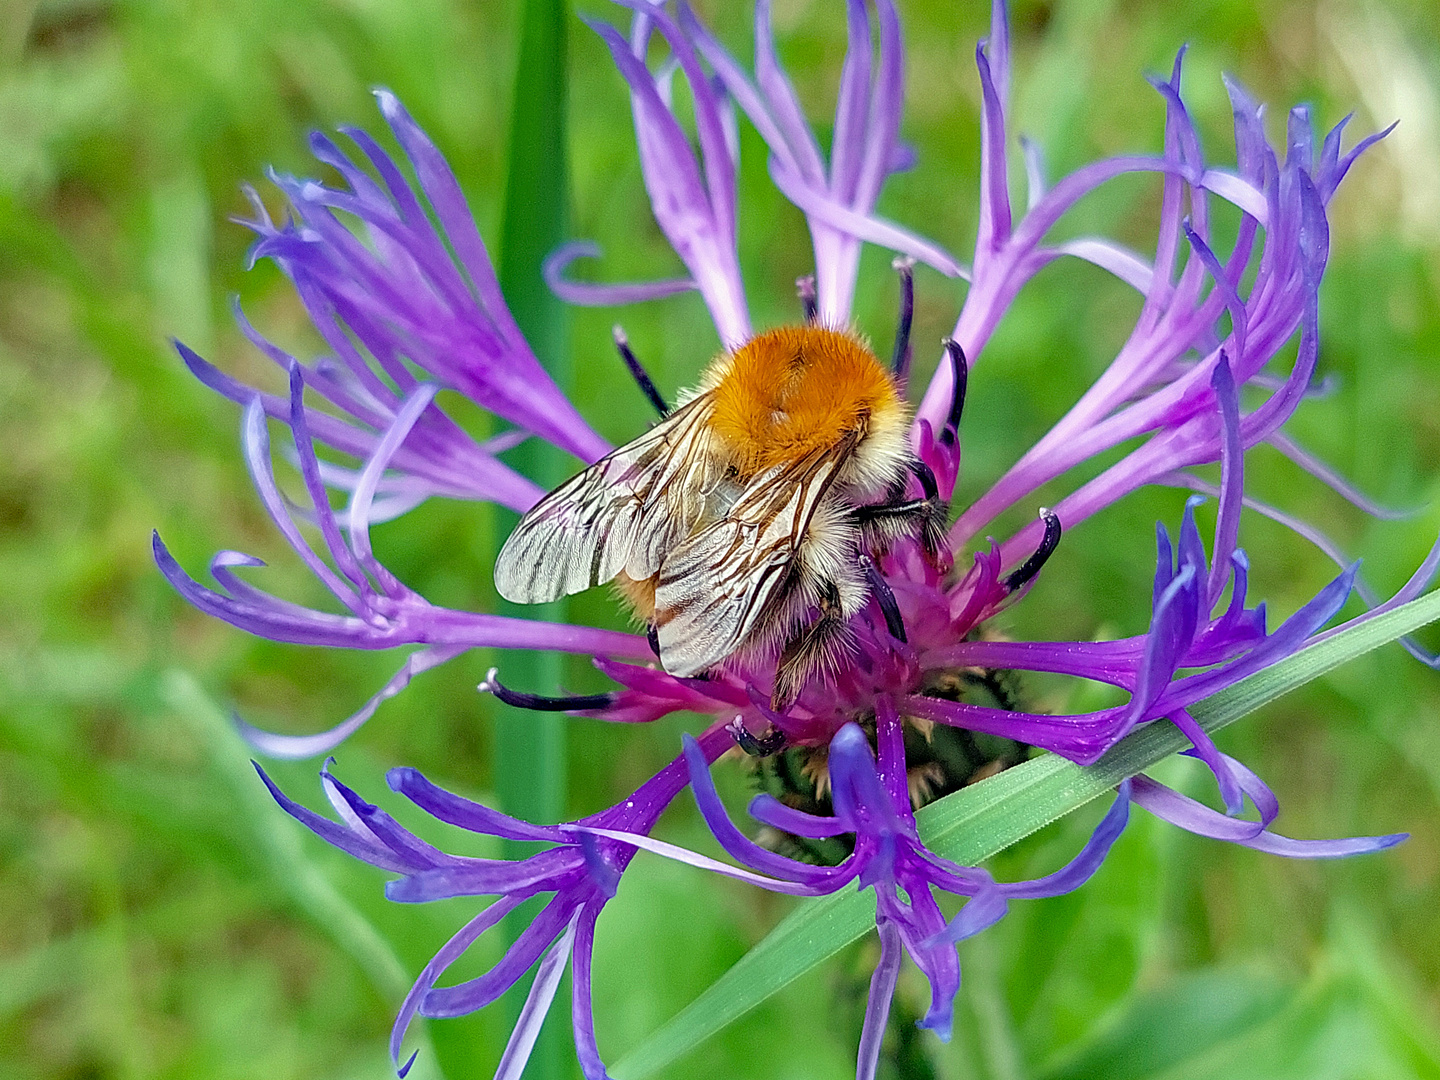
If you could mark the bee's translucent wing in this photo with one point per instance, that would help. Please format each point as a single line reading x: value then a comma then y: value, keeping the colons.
x: 622, y: 513
x: 716, y: 587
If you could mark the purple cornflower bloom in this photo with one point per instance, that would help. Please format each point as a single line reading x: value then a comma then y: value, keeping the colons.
x: 411, y: 305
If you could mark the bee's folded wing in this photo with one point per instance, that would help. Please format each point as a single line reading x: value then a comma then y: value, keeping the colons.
x: 718, y: 586
x: 621, y: 513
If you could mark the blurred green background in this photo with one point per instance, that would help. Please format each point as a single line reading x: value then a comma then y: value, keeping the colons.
x: 161, y: 918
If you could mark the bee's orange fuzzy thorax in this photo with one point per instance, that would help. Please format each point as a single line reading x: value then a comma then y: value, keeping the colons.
x: 797, y: 389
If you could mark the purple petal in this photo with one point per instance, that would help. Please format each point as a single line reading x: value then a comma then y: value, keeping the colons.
x: 362, y: 846
x: 439, y: 963
x: 1333, y: 480
x: 405, y: 419
x: 865, y: 227
x: 983, y: 911
x: 877, y: 1007
x: 553, y: 920
x: 994, y: 227
x: 255, y: 442
x: 536, y: 1007
x: 585, y: 294
x: 735, y: 842
x: 1081, y: 868
x: 1232, y: 477
x: 848, y: 141
x: 544, y: 872
x: 678, y: 197
x: 474, y: 816
x: 1206, y: 750
x: 887, y: 100
x: 295, y: 747
x: 703, y: 862
x: 582, y: 1012
x: 1194, y: 817
x: 768, y: 810
x: 1108, y: 255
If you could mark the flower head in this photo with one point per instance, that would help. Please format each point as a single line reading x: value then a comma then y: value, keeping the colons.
x: 410, y: 305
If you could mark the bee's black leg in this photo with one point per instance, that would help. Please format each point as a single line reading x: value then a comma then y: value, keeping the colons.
x: 805, y: 289
x: 652, y: 635
x: 881, y: 524
x: 810, y: 650
x: 638, y: 373
x: 960, y: 368
x: 1048, y: 543
x: 885, y: 597
x: 772, y: 742
x: 900, y: 361
x: 539, y: 703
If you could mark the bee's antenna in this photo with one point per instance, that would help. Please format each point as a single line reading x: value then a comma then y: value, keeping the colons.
x: 961, y: 369
x: 538, y: 703
x: 885, y: 597
x: 900, y: 363
x: 622, y: 343
x: 805, y: 289
x: 1048, y: 543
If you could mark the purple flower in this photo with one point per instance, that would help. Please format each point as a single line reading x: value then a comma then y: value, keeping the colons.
x: 872, y: 804
x: 408, y: 305
x: 581, y: 870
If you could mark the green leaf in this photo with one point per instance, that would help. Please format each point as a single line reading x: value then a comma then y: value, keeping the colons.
x: 975, y: 823
x: 1178, y: 1023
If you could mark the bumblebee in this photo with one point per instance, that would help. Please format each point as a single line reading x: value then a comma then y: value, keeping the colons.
x: 745, y: 522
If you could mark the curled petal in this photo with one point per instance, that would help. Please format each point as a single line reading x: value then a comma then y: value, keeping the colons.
x: 584, y: 294
x: 1194, y: 817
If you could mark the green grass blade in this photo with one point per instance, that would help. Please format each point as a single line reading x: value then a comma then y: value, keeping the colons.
x: 530, y: 747
x: 973, y: 824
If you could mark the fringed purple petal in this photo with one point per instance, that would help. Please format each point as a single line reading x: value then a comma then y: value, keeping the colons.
x: 678, y: 194
x: 1108, y: 255
x: 994, y: 227
x: 476, y: 993
x: 1081, y: 868
x: 983, y: 911
x: 360, y: 843
x: 768, y: 810
x: 487, y: 877
x: 827, y: 210
x: 815, y: 885
x: 732, y: 839
x: 1206, y: 750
